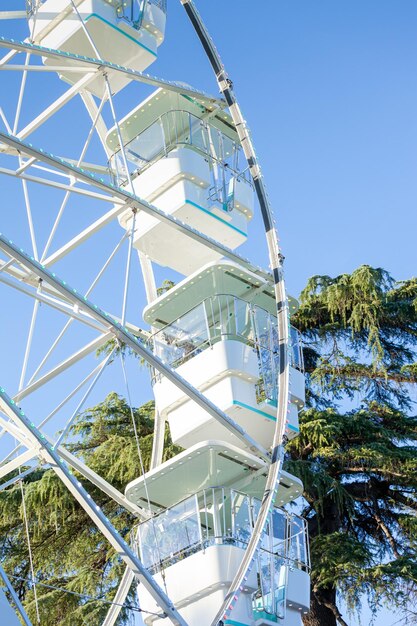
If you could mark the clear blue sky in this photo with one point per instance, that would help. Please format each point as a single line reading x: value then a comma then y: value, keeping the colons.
x: 329, y: 89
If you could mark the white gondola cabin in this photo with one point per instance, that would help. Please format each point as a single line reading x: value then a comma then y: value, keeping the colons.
x: 226, y: 345
x: 124, y: 32
x: 204, y: 503
x: 184, y: 157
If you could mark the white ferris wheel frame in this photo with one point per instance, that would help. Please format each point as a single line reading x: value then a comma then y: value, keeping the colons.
x: 56, y: 293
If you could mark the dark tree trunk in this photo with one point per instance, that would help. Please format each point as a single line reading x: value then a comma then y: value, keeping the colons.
x: 323, y: 610
x: 319, y: 614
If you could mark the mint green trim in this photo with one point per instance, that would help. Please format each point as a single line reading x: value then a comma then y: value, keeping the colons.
x: 270, y: 417
x: 216, y: 217
x: 119, y: 30
x: 232, y: 622
x: 257, y: 614
x: 271, y: 402
x: 193, y: 101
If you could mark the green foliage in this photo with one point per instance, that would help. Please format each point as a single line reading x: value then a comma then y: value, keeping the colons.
x: 68, y: 551
x: 339, y: 556
x: 356, y: 452
x: 166, y: 286
x: 356, y: 456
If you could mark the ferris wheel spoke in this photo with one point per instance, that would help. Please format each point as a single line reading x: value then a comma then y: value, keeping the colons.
x: 42, y: 68
x: 13, y: 15
x: 84, y: 235
x: 6, y: 466
x: 72, y: 185
x: 61, y: 306
x: 25, y: 165
x: 13, y: 429
x: 58, y: 464
x: 29, y: 344
x: 8, y: 56
x: 33, y: 452
x: 120, y: 598
x: 64, y: 365
x: 126, y: 337
x: 101, y: 64
x: 132, y: 201
x: 65, y: 430
x: 56, y: 410
x: 21, y: 93
x: 19, y: 173
x: 53, y: 108
x: 15, y: 597
x: 71, y: 320
x: 23, y: 182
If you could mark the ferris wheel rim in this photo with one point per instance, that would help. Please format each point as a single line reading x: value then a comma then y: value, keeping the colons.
x: 277, y: 455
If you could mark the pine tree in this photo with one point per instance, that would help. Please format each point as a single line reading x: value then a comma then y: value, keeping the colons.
x: 355, y: 454
x: 356, y: 451
x: 68, y: 552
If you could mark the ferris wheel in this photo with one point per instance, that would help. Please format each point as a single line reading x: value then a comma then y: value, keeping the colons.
x: 100, y: 197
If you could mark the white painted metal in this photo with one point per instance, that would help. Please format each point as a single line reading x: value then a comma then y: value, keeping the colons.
x: 74, y: 462
x: 132, y: 201
x: 98, y: 64
x: 157, y: 227
x: 51, y: 456
x: 12, y: 15
x: 11, y: 466
x: 83, y: 236
x: 130, y: 340
x: 55, y: 106
x: 52, y: 302
x: 19, y: 173
x: 276, y: 261
x: 9, y: 618
x: 63, y: 365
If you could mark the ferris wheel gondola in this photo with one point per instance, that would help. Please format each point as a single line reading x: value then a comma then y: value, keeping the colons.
x: 173, y: 183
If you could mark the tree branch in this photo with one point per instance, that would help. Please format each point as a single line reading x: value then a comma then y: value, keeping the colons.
x: 333, y: 608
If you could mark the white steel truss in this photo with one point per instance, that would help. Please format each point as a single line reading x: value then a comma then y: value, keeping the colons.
x: 49, y: 454
x: 80, y: 308
x: 125, y: 336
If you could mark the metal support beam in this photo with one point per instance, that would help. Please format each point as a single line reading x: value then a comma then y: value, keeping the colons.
x: 74, y: 462
x: 99, y: 64
x: 55, y: 106
x: 102, y: 484
x: 63, y: 307
x: 51, y: 183
x: 63, y: 366
x: 22, y: 459
x: 130, y: 200
x: 15, y: 599
x: 126, y: 337
x: 13, y: 15
x: 93, y: 111
x: 85, y: 234
x: 276, y: 260
x: 20, y: 476
x: 51, y: 456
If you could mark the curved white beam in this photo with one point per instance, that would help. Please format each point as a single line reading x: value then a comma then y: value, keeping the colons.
x: 276, y: 262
